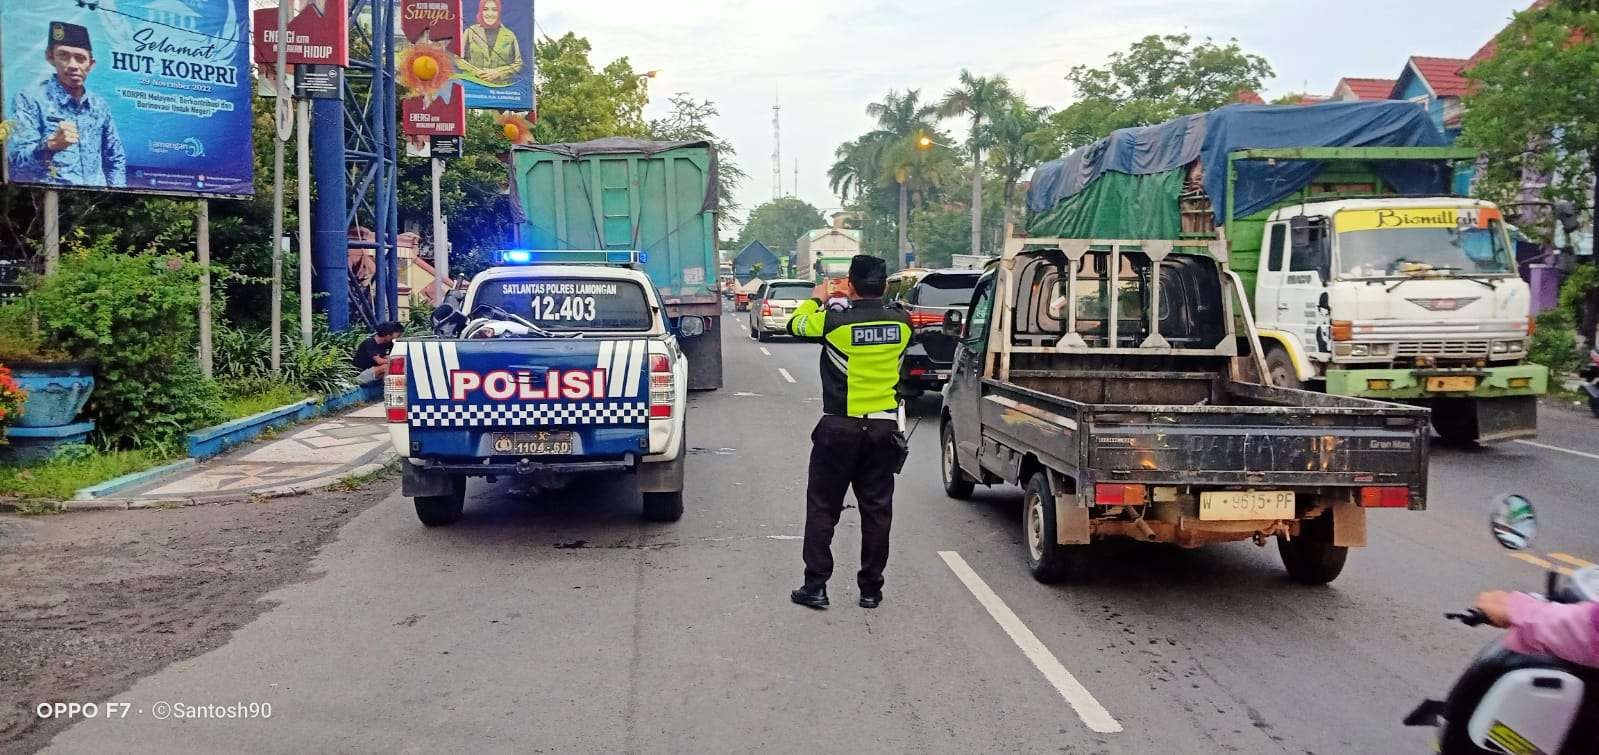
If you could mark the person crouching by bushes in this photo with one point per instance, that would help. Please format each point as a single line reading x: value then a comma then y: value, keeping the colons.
x: 372, y: 356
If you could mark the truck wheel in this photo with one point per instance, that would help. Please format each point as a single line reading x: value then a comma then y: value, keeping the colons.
x: 663, y: 507
x: 442, y: 510
x: 1456, y: 422
x: 1281, y: 369
x: 1311, y: 558
x: 957, y: 484
x: 1049, y: 562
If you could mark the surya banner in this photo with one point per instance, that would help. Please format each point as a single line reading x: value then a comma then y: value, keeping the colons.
x: 137, y: 95
x: 432, y: 101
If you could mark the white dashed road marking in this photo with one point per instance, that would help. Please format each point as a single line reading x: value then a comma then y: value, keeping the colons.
x: 1546, y: 447
x: 1088, y: 709
x: 784, y: 373
x: 764, y: 351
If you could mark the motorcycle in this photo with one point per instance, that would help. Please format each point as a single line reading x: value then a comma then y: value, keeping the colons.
x: 1509, y: 702
x: 1590, y: 380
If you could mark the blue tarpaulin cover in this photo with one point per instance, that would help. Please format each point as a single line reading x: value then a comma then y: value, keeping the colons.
x: 1210, y: 137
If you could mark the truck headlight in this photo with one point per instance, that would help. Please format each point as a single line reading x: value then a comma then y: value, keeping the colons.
x: 1359, y: 350
x: 1509, y: 347
x: 1378, y: 349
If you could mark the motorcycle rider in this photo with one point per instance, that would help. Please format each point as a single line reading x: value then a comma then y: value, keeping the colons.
x: 1569, y: 631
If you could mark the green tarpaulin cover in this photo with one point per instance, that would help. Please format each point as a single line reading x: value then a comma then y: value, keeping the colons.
x: 1116, y: 206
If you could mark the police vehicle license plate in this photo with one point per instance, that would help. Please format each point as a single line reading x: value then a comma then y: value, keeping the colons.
x: 533, y: 444
x: 1234, y: 505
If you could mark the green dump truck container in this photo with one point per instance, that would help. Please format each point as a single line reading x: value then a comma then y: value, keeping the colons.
x: 626, y: 194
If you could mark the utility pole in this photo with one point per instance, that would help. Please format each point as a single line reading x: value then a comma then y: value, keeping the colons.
x: 777, y: 149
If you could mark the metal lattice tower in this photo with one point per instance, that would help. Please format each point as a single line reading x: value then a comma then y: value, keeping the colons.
x: 354, y: 162
x: 777, y: 149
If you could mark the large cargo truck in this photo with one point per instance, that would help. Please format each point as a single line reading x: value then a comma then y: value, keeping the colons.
x: 659, y: 198
x: 1366, y: 276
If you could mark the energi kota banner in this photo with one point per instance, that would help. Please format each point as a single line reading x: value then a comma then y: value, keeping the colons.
x: 139, y: 95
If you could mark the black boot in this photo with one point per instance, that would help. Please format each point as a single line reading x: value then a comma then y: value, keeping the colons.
x: 871, y: 599
x: 810, y: 596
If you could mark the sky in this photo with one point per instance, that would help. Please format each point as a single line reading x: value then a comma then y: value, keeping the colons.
x: 824, y: 60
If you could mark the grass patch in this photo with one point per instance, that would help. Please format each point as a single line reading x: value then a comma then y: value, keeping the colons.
x: 59, y: 478
x: 355, y: 482
x: 264, y: 398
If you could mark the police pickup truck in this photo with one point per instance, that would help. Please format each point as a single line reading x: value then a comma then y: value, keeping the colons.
x: 556, y: 364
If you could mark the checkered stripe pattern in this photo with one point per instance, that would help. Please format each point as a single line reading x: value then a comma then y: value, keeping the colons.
x: 525, y: 415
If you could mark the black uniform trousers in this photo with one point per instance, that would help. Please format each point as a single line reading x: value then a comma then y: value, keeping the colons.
x: 845, y: 452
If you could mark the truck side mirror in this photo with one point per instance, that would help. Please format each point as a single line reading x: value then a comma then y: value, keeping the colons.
x: 1299, y: 233
x: 953, y: 320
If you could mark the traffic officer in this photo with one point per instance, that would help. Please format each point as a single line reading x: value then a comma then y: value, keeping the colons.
x: 859, y: 440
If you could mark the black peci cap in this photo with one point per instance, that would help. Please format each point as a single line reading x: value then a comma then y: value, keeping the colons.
x: 71, y: 35
x: 864, y: 268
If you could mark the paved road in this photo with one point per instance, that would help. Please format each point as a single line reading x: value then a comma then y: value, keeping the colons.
x: 564, y: 623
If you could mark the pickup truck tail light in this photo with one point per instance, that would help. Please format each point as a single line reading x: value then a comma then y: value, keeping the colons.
x: 394, y: 401
x: 663, y: 387
x: 1119, y: 494
x: 1385, y: 497
x: 766, y: 310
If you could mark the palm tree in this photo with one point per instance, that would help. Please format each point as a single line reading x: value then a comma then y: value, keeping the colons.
x: 901, y: 119
x: 1017, y: 142
x: 978, y: 98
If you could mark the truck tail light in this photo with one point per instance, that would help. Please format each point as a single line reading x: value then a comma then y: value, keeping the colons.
x: 1118, y: 494
x: 920, y: 319
x: 394, y: 401
x: 1342, y: 330
x: 1385, y: 497
x: 663, y: 387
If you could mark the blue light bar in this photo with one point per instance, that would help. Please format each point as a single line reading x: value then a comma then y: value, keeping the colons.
x: 570, y: 257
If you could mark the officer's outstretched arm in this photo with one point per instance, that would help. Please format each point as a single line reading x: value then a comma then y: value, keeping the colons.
x: 809, y: 321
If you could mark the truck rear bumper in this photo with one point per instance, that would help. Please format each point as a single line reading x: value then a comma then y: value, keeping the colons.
x: 1411, y: 384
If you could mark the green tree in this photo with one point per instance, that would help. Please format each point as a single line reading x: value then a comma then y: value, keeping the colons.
x: 978, y: 98
x: 1532, y: 112
x: 690, y: 119
x: 779, y: 223
x: 1156, y: 79
x: 1019, y: 142
x: 902, y: 119
x: 939, y: 233
x: 578, y: 103
x: 472, y: 192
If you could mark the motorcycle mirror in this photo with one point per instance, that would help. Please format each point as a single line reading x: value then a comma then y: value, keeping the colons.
x: 1514, y: 522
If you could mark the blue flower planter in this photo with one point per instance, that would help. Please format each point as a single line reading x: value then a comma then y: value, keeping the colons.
x: 57, y: 392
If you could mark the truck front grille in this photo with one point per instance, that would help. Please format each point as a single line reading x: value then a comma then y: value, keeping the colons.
x: 1461, y: 349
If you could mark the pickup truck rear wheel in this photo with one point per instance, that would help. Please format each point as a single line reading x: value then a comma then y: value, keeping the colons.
x: 1049, y: 562
x: 1311, y: 558
x: 663, y: 507
x: 957, y: 484
x: 442, y: 510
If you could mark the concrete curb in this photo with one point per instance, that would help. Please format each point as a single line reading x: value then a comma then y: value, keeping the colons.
x: 129, y: 480
x: 286, y: 491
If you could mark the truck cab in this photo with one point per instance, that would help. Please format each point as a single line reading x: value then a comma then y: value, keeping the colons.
x: 556, y: 364
x: 1414, y: 299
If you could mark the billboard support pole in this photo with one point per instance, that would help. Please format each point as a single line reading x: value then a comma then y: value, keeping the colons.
x: 441, y: 243
x: 52, y: 231
x: 283, y: 113
x: 202, y: 244
x: 303, y: 162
